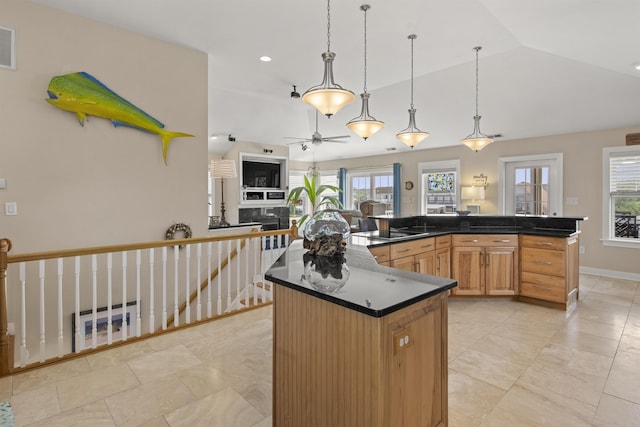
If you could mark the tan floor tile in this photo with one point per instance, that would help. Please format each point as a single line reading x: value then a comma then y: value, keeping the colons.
x: 6, y: 388
x: 458, y: 419
x: 223, y: 409
x: 586, y: 342
x: 623, y: 288
x: 163, y: 362
x: 611, y: 316
x: 82, y: 389
x: 156, y: 422
x: 35, y: 405
x: 149, y: 401
x: 95, y: 414
x: 518, y: 352
x: 630, y: 344
x: 471, y: 398
x: 267, y: 422
x: 488, y: 368
x: 614, y: 412
x: 119, y: 355
x: 575, y: 323
x: 531, y: 333
x: 624, y: 378
x: 49, y: 374
x: 606, y: 301
x: 204, y: 380
x: 536, y: 407
x: 259, y: 395
x: 566, y: 359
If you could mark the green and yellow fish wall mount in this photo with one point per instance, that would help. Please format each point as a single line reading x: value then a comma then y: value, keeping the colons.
x: 84, y: 95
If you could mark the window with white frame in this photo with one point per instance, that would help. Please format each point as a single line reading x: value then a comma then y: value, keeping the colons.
x: 330, y: 177
x: 370, y: 184
x: 621, y: 196
x: 302, y: 205
x: 439, y: 187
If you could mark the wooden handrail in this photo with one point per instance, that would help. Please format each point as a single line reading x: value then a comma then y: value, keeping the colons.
x: 5, y: 247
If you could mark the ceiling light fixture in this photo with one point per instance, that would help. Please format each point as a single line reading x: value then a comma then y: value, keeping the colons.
x: 412, y: 136
x: 328, y: 97
x: 295, y: 93
x: 365, y: 125
x: 477, y: 140
x: 265, y: 58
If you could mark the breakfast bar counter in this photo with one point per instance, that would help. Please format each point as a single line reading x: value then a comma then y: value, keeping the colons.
x: 374, y: 353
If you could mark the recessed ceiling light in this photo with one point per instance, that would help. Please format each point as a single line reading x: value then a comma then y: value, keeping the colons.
x: 265, y: 58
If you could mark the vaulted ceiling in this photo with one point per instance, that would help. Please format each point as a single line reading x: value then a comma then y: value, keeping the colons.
x: 547, y: 66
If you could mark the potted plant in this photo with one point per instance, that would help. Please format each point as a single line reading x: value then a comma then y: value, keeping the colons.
x: 316, y: 196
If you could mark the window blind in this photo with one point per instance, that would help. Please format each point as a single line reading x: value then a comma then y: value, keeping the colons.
x: 624, y: 174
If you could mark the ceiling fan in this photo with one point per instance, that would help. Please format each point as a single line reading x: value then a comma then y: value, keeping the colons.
x: 317, y: 138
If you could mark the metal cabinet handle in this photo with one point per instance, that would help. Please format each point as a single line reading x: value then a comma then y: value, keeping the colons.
x: 544, y: 262
x: 502, y: 241
x: 542, y: 287
x: 404, y: 250
x: 471, y: 241
x: 543, y: 243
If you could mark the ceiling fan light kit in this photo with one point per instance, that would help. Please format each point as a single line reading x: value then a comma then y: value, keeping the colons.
x: 365, y: 125
x: 328, y: 97
x: 477, y: 140
x: 412, y: 136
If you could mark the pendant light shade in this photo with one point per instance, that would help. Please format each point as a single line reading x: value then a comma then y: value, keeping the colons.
x: 412, y: 136
x: 365, y: 125
x: 328, y: 97
x: 477, y: 140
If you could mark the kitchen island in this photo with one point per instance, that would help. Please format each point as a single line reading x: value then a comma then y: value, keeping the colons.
x: 372, y: 354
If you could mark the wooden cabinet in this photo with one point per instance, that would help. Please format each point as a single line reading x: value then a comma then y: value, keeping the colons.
x: 485, y: 264
x: 549, y: 269
x: 335, y: 366
x: 442, y: 260
x: 414, y: 255
x: 381, y: 254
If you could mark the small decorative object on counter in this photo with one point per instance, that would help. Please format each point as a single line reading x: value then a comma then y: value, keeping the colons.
x: 325, y: 237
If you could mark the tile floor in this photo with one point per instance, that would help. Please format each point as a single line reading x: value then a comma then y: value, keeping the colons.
x: 510, y: 364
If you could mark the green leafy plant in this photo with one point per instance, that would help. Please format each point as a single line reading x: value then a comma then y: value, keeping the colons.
x: 316, y: 196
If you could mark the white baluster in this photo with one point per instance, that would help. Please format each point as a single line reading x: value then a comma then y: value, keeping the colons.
x: 138, y: 285
x: 109, y: 299
x: 238, y: 263
x: 199, y: 306
x: 94, y: 305
x: 219, y: 306
x: 176, y: 309
x: 23, y: 311
x: 76, y: 333
x: 152, y: 317
x: 125, y: 324
x: 187, y: 312
x: 164, y: 288
x: 209, y: 302
x: 42, y: 322
x: 228, y: 276
x: 60, y: 311
x: 252, y: 242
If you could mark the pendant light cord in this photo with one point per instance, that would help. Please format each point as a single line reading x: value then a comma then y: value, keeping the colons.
x: 412, y: 38
x: 365, y: 46
x: 328, y: 26
x: 477, y: 48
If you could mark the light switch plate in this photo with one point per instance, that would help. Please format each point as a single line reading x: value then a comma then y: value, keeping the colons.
x: 572, y: 201
x: 11, y: 208
x: 3, y: 182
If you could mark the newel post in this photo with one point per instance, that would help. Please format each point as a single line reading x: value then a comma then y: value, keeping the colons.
x: 5, y: 247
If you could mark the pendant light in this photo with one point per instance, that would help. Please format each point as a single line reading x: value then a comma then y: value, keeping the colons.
x: 477, y: 140
x: 412, y: 136
x: 365, y: 125
x: 328, y: 97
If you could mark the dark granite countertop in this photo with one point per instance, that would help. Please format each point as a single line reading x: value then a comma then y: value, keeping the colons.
x: 371, y: 289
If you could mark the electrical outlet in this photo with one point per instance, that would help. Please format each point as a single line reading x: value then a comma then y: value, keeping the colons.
x: 402, y: 340
x: 573, y: 201
x: 10, y: 208
x: 11, y: 328
x: 582, y: 250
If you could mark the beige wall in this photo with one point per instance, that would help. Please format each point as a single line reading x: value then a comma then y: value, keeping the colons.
x: 84, y: 186
x: 582, y: 154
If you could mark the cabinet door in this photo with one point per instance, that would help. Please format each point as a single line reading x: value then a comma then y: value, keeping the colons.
x: 466, y: 268
x: 443, y: 262
x: 501, y: 271
x: 426, y: 263
x: 404, y: 263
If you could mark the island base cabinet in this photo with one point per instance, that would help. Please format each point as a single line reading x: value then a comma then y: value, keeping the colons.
x: 335, y: 366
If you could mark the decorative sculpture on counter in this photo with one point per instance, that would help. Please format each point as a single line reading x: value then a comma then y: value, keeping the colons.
x: 84, y: 95
x: 324, y: 263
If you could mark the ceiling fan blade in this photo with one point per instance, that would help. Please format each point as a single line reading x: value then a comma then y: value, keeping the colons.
x: 293, y: 137
x: 336, y: 140
x: 336, y: 137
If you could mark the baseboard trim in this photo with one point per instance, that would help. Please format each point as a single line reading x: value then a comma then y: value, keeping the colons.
x: 610, y: 273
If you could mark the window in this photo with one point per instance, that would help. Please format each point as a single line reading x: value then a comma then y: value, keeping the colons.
x: 621, y: 196
x: 302, y: 206
x: 370, y: 184
x: 531, y: 185
x: 439, y: 187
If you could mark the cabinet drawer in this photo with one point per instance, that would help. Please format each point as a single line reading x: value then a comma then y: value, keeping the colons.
x: 412, y: 247
x: 380, y: 253
x: 543, y: 242
x: 443, y: 241
x: 548, y: 288
x: 485, y: 240
x: 543, y: 261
